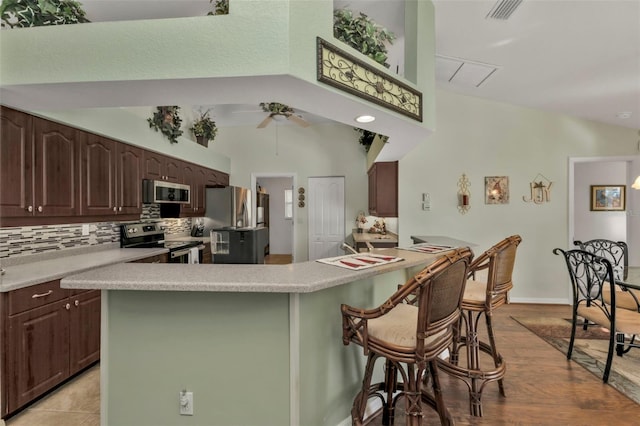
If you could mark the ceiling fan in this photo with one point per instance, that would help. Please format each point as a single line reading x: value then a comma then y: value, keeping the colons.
x: 275, y: 109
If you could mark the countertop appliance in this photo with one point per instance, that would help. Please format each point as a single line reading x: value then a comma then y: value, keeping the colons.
x: 151, y: 235
x: 228, y: 207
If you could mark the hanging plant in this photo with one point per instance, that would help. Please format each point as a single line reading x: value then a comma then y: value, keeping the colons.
x: 35, y: 13
x: 363, y: 34
x: 367, y: 137
x: 220, y: 7
x: 204, y: 129
x: 167, y: 121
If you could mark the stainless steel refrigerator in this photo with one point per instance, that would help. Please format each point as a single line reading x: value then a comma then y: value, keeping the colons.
x: 227, y: 208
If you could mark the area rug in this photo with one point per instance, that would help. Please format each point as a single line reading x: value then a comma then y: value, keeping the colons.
x: 590, y: 351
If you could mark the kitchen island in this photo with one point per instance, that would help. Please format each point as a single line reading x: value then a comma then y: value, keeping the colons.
x: 256, y: 344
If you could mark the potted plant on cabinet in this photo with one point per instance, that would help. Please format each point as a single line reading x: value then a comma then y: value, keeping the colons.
x: 204, y: 129
x: 35, y: 13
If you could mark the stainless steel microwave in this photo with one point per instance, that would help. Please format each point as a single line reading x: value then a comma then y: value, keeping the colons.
x: 159, y: 192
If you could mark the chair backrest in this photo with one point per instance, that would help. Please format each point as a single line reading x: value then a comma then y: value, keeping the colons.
x: 589, y: 273
x: 440, y: 292
x: 499, y: 260
x: 616, y: 252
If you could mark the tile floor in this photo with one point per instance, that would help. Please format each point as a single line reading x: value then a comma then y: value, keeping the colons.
x: 77, y: 403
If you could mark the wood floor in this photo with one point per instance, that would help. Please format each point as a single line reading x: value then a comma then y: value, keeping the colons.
x: 542, y: 386
x: 278, y: 259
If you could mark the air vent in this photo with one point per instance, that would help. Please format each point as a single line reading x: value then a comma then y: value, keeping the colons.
x: 503, y: 9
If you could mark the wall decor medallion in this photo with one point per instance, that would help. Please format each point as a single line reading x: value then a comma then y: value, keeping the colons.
x: 344, y: 71
x: 496, y: 190
x: 540, y: 190
x: 608, y: 198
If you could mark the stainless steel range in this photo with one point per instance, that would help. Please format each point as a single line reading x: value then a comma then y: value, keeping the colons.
x: 151, y: 235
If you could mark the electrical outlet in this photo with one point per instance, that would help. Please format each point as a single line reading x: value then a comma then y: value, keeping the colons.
x: 85, y: 229
x: 186, y: 403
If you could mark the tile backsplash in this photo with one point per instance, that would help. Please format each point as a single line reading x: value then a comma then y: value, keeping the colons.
x: 29, y: 240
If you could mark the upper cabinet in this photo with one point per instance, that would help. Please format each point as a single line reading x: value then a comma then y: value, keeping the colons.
x: 52, y: 173
x: 383, y: 189
x: 39, y: 166
x: 160, y: 167
x: 111, y: 177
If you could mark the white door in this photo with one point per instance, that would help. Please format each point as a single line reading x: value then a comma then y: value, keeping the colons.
x: 326, y: 216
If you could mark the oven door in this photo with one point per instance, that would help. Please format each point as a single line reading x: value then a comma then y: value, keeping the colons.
x: 184, y: 255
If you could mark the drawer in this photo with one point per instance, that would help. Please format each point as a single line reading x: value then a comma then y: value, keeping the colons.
x: 35, y: 296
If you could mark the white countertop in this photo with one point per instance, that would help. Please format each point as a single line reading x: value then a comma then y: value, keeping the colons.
x: 29, y: 273
x: 304, y: 277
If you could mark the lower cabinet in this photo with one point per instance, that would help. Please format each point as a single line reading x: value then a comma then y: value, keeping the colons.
x: 206, y: 253
x: 50, y: 334
x: 158, y: 258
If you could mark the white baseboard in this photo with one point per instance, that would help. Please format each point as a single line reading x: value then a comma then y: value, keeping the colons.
x: 372, y: 406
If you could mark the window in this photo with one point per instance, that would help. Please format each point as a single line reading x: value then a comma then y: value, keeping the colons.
x: 288, y: 203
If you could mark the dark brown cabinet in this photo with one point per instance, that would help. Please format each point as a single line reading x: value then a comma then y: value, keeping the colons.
x: 159, y: 258
x: 383, y: 189
x: 111, y: 177
x: 51, y: 334
x: 39, y: 161
x: 161, y: 167
x: 195, y: 177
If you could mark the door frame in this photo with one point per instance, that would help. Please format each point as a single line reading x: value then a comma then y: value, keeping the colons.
x: 294, y: 183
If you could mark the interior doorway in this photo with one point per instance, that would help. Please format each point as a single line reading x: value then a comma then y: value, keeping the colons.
x: 270, y: 190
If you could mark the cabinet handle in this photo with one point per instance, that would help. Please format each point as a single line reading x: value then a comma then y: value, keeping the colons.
x: 36, y: 296
x: 30, y: 209
x: 120, y: 208
x: 77, y: 303
x: 67, y: 306
x: 40, y: 209
x: 115, y: 209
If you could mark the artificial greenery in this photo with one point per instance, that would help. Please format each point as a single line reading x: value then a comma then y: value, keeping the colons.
x: 363, y: 34
x: 167, y: 120
x: 204, y: 127
x: 367, y: 137
x: 34, y: 13
x: 220, y: 7
x: 276, y: 108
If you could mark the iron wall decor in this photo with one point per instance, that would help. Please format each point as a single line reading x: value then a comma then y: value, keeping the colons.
x: 608, y: 197
x: 344, y: 71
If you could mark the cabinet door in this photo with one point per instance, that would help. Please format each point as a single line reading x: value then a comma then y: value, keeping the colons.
x: 84, y: 330
x: 153, y: 166
x: 189, y: 177
x: 56, y: 169
x: 173, y: 169
x: 383, y: 189
x: 216, y: 178
x: 16, y: 169
x: 129, y: 179
x: 98, y: 176
x: 38, y: 352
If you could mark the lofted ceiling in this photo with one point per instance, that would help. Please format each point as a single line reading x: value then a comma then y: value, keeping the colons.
x: 575, y: 57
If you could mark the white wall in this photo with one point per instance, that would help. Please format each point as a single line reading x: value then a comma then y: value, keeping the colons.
x: 483, y: 138
x: 280, y: 229
x: 611, y: 225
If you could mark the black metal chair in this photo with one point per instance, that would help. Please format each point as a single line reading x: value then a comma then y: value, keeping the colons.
x: 590, y: 276
x: 409, y: 336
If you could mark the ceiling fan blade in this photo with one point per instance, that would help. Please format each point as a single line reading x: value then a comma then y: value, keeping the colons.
x: 298, y: 120
x: 265, y: 122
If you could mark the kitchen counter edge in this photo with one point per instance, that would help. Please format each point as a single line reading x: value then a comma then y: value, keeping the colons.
x: 303, y: 277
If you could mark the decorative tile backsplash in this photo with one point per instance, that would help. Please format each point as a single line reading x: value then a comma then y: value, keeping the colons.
x: 29, y: 240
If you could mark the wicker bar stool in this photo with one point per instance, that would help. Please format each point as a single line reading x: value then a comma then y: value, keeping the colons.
x: 482, y: 298
x: 409, y: 336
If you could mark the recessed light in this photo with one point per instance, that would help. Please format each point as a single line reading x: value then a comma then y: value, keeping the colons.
x: 365, y: 118
x: 624, y: 115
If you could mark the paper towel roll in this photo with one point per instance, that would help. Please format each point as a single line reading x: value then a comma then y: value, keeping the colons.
x: 194, y: 255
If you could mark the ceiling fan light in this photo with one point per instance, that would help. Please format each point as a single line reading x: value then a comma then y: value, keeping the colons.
x: 636, y: 184
x: 365, y: 118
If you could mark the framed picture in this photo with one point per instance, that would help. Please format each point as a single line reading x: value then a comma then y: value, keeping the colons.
x: 496, y: 190
x: 608, y: 197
